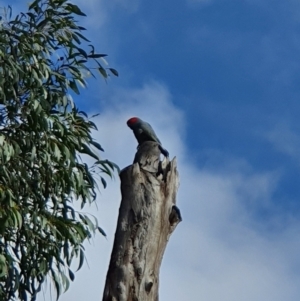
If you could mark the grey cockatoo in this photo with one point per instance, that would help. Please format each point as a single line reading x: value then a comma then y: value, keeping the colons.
x: 144, y: 132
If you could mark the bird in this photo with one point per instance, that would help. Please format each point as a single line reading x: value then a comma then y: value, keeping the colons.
x: 143, y: 131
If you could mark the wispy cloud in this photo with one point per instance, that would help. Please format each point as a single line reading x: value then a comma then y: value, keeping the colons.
x: 99, y: 12
x: 265, y: 53
x: 199, y: 2
x: 285, y: 140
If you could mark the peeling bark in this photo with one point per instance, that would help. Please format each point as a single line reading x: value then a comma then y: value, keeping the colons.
x: 147, y: 217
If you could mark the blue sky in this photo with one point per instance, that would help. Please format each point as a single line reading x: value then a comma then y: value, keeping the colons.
x: 220, y: 83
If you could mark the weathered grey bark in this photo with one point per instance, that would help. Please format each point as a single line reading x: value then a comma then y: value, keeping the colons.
x: 147, y: 217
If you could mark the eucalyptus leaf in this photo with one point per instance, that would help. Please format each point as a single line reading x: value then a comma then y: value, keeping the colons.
x: 43, y: 136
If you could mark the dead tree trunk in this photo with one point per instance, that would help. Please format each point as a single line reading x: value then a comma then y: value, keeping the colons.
x: 147, y: 217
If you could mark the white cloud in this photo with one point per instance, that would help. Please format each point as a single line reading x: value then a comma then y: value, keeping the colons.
x: 223, y: 250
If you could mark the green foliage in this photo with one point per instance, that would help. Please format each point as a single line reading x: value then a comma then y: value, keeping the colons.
x: 42, y: 135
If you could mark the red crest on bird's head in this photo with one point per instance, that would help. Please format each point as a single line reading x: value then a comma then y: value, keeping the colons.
x: 132, y: 121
